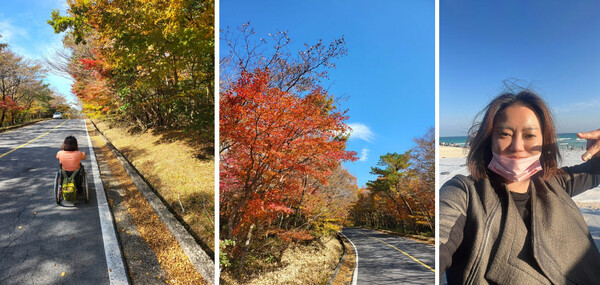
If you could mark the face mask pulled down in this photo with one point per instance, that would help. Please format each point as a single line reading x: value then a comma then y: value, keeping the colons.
x: 515, y: 169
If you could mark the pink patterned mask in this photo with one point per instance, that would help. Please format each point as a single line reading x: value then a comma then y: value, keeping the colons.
x: 515, y: 169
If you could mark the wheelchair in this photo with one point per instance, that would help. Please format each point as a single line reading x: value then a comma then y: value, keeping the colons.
x: 81, y: 184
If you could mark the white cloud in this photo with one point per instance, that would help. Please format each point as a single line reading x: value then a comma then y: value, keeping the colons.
x: 62, y: 5
x: 10, y: 32
x: 364, y: 154
x: 360, y: 131
x: 15, y: 37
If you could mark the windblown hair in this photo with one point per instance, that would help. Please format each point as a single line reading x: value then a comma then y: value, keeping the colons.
x: 70, y: 144
x: 480, y: 134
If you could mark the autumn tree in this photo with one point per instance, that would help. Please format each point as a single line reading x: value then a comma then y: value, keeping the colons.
x: 402, y: 195
x: 23, y: 93
x: 274, y: 145
x: 300, y: 71
x: 423, y: 166
x: 391, y: 180
x: 329, y: 204
x: 149, y: 62
x: 2, y: 45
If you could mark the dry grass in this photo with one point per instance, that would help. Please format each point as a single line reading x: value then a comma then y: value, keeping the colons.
x: 171, y: 162
x: 300, y: 264
x: 173, y: 260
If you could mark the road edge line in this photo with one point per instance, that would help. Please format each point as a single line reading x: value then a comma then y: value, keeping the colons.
x: 112, y: 251
x: 355, y: 274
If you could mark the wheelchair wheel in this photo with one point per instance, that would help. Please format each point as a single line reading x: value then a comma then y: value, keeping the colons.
x: 58, y: 188
x: 85, y: 188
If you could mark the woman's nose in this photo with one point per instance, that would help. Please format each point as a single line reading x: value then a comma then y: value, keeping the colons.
x: 517, y: 144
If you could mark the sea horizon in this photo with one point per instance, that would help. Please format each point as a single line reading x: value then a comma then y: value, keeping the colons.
x: 565, y: 141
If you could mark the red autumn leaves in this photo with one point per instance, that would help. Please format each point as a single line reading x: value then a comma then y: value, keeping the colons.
x: 276, y: 147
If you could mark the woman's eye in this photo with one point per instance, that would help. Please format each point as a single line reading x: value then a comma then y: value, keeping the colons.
x: 504, y: 134
x: 530, y: 136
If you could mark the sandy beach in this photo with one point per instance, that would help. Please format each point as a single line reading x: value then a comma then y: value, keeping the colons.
x: 452, y: 151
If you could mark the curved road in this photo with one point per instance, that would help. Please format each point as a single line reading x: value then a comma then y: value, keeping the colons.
x: 389, y: 259
x: 41, y: 242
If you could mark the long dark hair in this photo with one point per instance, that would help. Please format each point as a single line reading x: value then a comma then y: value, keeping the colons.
x: 70, y: 144
x: 480, y: 134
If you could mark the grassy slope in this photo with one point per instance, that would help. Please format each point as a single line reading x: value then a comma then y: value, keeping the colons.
x: 173, y: 260
x: 170, y: 162
x: 300, y: 264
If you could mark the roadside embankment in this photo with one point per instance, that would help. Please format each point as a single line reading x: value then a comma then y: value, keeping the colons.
x: 152, y: 252
x: 300, y: 264
x: 7, y: 128
x: 177, y: 167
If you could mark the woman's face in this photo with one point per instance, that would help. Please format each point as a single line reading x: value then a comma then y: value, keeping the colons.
x: 517, y: 133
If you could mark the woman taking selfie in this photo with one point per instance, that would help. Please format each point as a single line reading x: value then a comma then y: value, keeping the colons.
x: 512, y: 220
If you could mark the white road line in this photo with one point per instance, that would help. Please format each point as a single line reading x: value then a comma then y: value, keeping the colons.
x: 355, y: 274
x: 114, y: 262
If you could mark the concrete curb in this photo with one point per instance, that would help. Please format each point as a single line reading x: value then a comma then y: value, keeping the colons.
x: 342, y: 259
x: 355, y: 273
x: 197, y: 256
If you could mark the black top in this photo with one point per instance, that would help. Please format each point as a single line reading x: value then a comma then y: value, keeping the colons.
x: 523, y: 205
x: 522, y: 201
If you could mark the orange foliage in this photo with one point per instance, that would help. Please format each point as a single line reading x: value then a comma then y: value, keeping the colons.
x: 272, y: 144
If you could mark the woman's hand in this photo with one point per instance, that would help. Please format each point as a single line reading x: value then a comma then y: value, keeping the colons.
x: 593, y: 144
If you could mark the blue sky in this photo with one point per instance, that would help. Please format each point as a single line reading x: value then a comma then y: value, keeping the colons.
x: 388, y: 75
x: 552, y: 45
x: 23, y: 26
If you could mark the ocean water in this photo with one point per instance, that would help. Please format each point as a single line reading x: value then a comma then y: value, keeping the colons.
x: 565, y: 141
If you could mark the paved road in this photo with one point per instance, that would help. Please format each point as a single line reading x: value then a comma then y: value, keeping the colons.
x: 40, y: 240
x: 384, y: 259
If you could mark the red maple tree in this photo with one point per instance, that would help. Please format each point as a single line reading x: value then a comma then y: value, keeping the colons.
x: 273, y: 143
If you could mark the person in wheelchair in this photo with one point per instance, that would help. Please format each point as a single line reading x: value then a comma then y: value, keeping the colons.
x: 70, y: 160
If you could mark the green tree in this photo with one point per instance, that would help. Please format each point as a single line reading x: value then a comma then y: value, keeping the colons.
x: 395, y: 171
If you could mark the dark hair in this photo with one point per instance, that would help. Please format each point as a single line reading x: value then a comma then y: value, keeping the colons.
x: 70, y: 144
x: 480, y: 134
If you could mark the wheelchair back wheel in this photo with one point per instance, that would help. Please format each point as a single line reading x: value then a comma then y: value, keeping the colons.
x: 85, y: 188
x: 58, y: 188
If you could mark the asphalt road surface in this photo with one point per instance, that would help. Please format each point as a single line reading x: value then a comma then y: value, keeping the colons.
x: 389, y: 259
x: 40, y: 241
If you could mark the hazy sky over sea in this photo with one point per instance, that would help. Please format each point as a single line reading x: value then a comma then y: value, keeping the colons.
x: 553, y: 46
